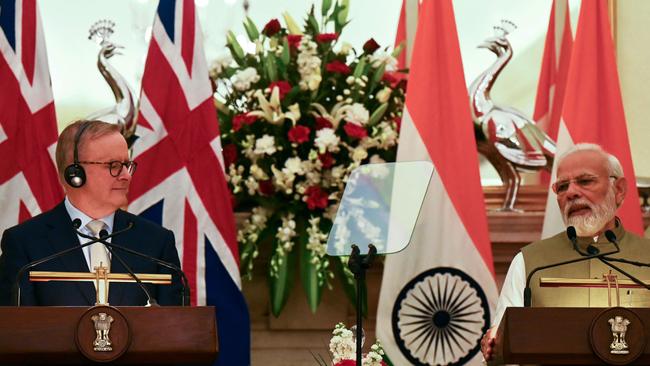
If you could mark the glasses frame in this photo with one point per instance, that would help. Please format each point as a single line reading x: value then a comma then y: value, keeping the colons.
x: 574, y: 180
x: 130, y: 166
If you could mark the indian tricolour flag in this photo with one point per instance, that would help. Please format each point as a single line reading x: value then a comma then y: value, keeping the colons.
x: 438, y: 295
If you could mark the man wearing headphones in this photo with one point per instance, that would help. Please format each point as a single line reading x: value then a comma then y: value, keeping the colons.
x: 92, y: 158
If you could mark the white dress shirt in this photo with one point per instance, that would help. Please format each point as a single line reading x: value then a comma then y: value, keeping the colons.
x: 512, y: 292
x: 75, y: 213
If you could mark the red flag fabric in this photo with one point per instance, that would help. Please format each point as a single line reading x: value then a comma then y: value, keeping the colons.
x: 555, y: 68
x: 29, y: 182
x: 593, y: 109
x: 450, y: 251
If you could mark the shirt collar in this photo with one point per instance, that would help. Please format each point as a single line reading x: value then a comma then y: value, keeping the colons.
x: 76, y: 213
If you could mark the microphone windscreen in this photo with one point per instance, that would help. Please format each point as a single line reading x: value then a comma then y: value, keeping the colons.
x: 76, y: 223
x: 571, y: 233
x: 611, y: 237
x: 103, y: 233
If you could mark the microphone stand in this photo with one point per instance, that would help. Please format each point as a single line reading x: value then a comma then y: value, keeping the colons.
x: 16, y: 286
x: 185, y: 289
x: 150, y: 300
x: 359, y: 264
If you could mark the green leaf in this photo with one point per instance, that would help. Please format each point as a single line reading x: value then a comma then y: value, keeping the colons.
x: 376, y: 77
x: 343, y: 14
x: 358, y: 70
x: 325, y: 7
x: 271, y: 67
x: 377, y: 114
x: 398, y: 49
x: 309, y: 274
x: 285, y: 57
x: 312, y: 23
x: 235, y: 48
x: 280, y: 286
x: 251, y: 29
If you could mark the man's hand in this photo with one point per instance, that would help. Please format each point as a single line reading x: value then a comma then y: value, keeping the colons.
x: 487, y: 344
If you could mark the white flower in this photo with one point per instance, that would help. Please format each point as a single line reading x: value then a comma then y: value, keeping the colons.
x: 345, y: 48
x: 379, y: 58
x: 357, y: 114
x: 384, y: 94
x: 376, y: 159
x: 293, y: 166
x: 265, y: 145
x: 243, y: 79
x: 219, y: 64
x: 308, y: 64
x: 359, y: 153
x: 326, y: 140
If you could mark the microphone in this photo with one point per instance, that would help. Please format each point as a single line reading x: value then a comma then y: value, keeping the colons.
x: 21, y: 271
x: 611, y: 237
x: 571, y: 234
x: 185, y: 290
x: 150, y: 300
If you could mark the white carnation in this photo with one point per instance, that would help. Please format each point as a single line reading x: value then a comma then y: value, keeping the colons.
x: 293, y: 166
x: 265, y: 145
x: 243, y: 79
x: 326, y: 140
x: 357, y: 114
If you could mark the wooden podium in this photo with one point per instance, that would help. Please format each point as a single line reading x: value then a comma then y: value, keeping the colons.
x: 137, y: 335
x: 573, y: 336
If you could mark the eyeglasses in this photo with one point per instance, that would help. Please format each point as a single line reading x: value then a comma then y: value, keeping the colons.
x: 115, y: 167
x: 587, y: 182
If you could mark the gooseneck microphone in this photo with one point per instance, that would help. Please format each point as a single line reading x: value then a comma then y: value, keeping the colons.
x: 21, y: 271
x: 185, y: 288
x: 571, y: 234
x: 611, y: 237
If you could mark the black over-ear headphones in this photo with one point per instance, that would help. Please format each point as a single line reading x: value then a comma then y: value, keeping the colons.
x: 74, y: 174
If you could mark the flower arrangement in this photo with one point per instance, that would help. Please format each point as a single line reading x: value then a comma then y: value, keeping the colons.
x: 343, y: 350
x: 297, y: 115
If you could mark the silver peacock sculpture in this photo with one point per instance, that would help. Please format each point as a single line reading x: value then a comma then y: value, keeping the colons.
x: 123, y: 111
x: 511, y: 141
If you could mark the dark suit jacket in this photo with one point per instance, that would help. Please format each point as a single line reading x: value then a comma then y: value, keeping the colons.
x: 52, y: 232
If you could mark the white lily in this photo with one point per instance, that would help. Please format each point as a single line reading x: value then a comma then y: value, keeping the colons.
x: 271, y: 109
x: 335, y: 115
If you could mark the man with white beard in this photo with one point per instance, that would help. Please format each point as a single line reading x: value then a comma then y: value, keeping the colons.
x: 590, y: 187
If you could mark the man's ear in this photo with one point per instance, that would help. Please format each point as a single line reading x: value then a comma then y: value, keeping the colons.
x: 620, y: 189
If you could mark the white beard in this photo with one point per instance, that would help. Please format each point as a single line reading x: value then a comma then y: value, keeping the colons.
x: 589, y: 225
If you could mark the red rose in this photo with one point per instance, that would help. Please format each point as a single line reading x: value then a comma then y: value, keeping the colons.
x: 338, y: 67
x: 322, y: 122
x: 316, y: 198
x: 229, y: 154
x: 398, y: 122
x: 294, y: 40
x: 370, y: 46
x: 355, y: 131
x: 283, y: 86
x: 266, y: 187
x: 326, y: 159
x: 346, y: 363
x: 299, y: 134
x: 242, y: 119
x: 326, y: 37
x: 271, y: 28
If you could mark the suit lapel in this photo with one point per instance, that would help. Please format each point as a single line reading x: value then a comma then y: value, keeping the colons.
x: 62, y: 236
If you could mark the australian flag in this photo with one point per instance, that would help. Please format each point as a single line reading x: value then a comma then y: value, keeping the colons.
x: 181, y: 182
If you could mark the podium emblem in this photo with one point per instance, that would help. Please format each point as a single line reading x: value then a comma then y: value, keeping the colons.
x: 93, y: 330
x: 617, y: 336
x: 619, y: 328
x: 102, y: 323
